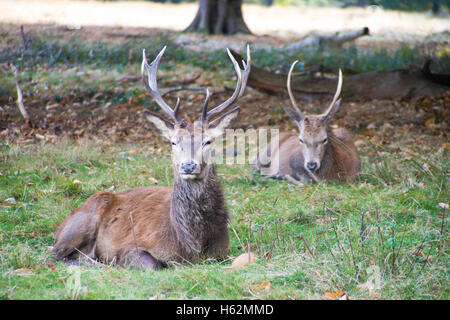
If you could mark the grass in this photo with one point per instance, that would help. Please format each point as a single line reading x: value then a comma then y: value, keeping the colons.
x: 383, y: 237
x: 45, y: 49
x: 386, y: 230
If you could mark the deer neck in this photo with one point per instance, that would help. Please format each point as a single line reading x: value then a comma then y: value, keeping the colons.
x: 195, y: 207
x: 327, y: 159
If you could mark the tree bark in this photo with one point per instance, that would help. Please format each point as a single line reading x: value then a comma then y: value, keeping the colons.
x: 219, y: 17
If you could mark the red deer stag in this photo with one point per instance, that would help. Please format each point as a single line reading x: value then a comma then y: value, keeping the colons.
x: 317, y: 153
x: 147, y: 227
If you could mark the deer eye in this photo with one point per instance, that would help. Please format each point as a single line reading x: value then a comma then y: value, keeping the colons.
x: 325, y: 140
x: 173, y: 143
x: 301, y: 140
x: 207, y: 142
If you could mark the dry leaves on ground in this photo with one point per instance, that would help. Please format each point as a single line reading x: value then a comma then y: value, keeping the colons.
x: 339, y: 295
x: 261, y: 286
x: 243, y: 260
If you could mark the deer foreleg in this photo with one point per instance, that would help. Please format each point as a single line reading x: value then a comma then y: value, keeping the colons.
x: 140, y: 259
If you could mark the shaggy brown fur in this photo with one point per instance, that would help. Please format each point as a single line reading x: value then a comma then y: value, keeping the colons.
x: 340, y: 161
x: 148, y: 226
x: 316, y: 153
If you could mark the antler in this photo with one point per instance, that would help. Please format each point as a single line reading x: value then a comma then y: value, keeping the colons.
x: 242, y: 76
x: 291, y: 96
x: 336, y: 95
x: 152, y: 87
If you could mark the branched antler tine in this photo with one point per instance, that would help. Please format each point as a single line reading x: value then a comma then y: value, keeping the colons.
x: 337, y: 94
x: 245, y: 72
x: 177, y: 107
x: 205, y: 106
x: 151, y: 85
x: 291, y: 96
x: 237, y: 92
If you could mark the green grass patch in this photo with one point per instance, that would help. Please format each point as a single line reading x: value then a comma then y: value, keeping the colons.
x: 383, y: 237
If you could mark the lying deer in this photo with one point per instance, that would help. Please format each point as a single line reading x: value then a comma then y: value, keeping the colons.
x: 317, y: 153
x: 147, y: 227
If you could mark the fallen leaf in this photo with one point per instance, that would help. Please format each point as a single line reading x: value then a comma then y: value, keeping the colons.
x: 374, y: 294
x: 430, y: 123
x: 368, y: 132
x: 253, y: 246
x: 420, y: 254
x: 261, y: 286
x: 23, y: 272
x: 243, y: 260
x: 52, y: 267
x: 336, y: 295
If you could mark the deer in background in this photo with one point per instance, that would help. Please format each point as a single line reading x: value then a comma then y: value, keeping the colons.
x: 316, y: 153
x: 148, y: 227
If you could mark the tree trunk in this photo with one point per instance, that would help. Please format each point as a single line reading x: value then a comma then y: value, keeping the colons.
x: 219, y: 17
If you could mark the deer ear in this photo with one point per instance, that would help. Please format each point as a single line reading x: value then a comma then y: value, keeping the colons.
x: 218, y: 126
x: 331, y: 111
x: 295, y: 116
x: 161, y: 126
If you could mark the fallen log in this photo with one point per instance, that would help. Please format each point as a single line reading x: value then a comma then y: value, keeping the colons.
x: 334, y: 40
x: 367, y: 86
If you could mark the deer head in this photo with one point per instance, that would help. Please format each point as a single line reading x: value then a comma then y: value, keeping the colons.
x: 313, y: 134
x: 191, y: 142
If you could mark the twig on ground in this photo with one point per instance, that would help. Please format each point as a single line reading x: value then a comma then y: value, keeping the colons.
x: 335, y: 232
x: 249, y: 243
x: 20, y: 105
x: 133, y: 78
x: 261, y: 228
x: 327, y: 244
x: 86, y: 256
x: 400, y: 246
x: 126, y: 35
x: 443, y: 210
x: 426, y: 260
x: 181, y: 82
x: 419, y: 248
x: 393, y: 250
x: 363, y: 230
x: 182, y: 89
x: 353, y: 256
x: 302, y: 236
x: 380, y: 234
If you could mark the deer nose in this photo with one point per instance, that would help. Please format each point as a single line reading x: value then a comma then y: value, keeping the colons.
x: 311, y: 165
x: 189, y: 167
